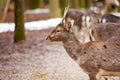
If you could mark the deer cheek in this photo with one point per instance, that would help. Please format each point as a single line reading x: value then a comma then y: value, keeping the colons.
x: 52, y: 35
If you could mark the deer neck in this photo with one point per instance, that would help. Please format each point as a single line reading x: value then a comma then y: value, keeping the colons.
x: 73, y: 46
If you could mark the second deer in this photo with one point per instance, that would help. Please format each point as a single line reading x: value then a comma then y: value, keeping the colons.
x: 108, y: 28
x: 106, y: 32
x: 95, y: 58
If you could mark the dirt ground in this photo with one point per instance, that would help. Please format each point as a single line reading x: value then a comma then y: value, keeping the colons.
x: 35, y: 58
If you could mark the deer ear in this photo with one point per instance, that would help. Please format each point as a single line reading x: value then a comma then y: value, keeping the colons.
x: 63, y: 20
x: 72, y: 23
x: 65, y: 12
x: 69, y: 25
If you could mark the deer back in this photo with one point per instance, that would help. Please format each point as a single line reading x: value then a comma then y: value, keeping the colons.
x: 105, y: 31
x: 107, y: 18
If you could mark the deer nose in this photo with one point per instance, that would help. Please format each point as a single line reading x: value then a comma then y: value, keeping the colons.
x: 48, y: 38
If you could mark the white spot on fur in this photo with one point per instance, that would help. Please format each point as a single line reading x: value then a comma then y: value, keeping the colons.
x: 100, y: 20
x: 83, y: 20
x: 104, y: 21
x: 88, y: 21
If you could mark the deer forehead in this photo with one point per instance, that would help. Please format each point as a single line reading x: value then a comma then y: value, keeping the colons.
x: 62, y: 24
x: 59, y: 28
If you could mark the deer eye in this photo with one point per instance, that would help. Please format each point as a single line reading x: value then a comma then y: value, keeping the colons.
x: 58, y: 30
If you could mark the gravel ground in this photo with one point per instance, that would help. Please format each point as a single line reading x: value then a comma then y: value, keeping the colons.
x: 36, y: 59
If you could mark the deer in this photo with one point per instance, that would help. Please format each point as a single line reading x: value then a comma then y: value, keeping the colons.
x: 101, y: 28
x: 96, y: 58
x: 114, y: 4
x: 98, y: 13
x: 88, y: 22
x: 76, y: 15
x: 81, y: 20
x: 102, y: 5
x: 98, y: 7
x: 107, y: 18
x: 106, y: 32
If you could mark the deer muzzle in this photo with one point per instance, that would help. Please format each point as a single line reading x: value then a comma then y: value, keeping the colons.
x: 48, y: 38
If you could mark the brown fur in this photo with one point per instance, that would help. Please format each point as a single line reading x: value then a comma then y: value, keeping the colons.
x: 80, y: 29
x: 93, y: 56
x: 107, y: 31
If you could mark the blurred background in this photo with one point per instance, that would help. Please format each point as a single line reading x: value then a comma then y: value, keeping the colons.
x: 54, y: 7
x: 22, y: 11
x: 24, y: 52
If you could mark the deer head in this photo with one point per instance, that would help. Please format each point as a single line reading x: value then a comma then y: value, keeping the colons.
x: 61, y: 31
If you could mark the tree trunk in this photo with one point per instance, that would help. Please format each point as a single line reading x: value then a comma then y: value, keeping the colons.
x: 82, y: 3
x: 4, y: 4
x: 87, y: 3
x: 33, y: 4
x: 41, y: 4
x: 75, y: 4
x: 119, y: 7
x: 63, y: 4
x: 19, y: 33
x: 54, y: 8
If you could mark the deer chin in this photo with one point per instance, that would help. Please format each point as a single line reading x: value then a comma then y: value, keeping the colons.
x: 55, y: 40
x: 52, y: 40
x: 48, y: 40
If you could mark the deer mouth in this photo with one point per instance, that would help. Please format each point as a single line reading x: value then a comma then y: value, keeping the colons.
x: 48, y: 39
